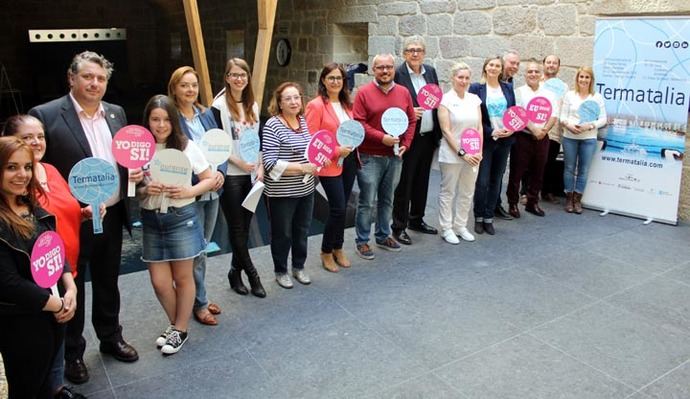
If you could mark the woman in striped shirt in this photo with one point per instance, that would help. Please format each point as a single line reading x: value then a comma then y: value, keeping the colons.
x: 290, y: 199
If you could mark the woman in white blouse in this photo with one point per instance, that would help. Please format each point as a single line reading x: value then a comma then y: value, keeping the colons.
x: 579, y: 137
x: 459, y: 110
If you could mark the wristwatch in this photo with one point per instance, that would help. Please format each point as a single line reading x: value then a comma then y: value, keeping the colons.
x: 461, y: 153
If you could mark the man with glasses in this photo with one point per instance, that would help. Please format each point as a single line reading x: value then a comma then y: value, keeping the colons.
x: 411, y: 193
x: 380, y: 172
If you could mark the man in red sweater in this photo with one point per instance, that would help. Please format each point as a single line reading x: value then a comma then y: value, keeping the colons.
x: 380, y: 172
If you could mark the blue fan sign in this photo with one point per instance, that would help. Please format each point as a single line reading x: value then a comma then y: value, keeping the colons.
x: 589, y: 111
x: 250, y: 145
x: 394, y: 122
x: 555, y: 86
x: 92, y: 181
x: 349, y: 134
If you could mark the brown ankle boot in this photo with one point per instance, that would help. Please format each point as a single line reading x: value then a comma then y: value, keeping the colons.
x: 577, y: 204
x: 569, y: 202
x: 340, y: 258
x: 328, y: 262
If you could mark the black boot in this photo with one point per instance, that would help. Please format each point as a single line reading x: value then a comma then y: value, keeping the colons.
x: 255, y: 281
x: 235, y: 279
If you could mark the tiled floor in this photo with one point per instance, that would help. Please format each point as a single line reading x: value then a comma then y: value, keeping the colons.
x: 564, y: 306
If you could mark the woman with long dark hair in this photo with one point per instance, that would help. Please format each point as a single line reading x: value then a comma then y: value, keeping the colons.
x: 327, y: 111
x: 30, y: 336
x: 173, y: 239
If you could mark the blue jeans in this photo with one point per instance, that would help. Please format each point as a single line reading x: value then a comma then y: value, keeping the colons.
x: 290, y: 222
x: 207, y: 213
x: 487, y: 190
x: 338, y: 190
x: 379, y: 175
x: 578, y: 152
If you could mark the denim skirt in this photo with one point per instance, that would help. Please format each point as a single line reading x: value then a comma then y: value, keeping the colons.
x: 175, y: 235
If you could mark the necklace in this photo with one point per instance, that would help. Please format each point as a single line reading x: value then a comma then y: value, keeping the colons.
x: 287, y: 124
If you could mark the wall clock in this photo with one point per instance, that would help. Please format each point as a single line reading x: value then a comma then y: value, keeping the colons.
x: 283, y: 52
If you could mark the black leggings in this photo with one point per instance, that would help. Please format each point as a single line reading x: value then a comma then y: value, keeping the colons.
x: 239, y: 219
x: 28, y: 344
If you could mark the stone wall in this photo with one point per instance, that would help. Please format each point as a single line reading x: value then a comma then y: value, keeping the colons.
x: 467, y: 30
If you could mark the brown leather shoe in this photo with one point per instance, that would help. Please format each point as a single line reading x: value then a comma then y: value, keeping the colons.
x: 120, y: 350
x: 534, y: 209
x: 76, y: 371
x: 341, y: 259
x: 577, y: 204
x: 514, y: 211
x: 568, y: 202
x: 328, y: 262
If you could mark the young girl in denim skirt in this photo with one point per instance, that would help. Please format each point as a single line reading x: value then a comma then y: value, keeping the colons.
x: 172, y: 240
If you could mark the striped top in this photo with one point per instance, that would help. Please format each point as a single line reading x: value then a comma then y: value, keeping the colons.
x: 280, y: 145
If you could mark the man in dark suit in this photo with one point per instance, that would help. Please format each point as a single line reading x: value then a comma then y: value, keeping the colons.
x: 77, y: 126
x: 411, y: 194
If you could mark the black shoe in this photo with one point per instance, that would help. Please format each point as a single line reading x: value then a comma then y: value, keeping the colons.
x: 402, y: 237
x: 479, y: 227
x: 422, y: 227
x: 501, y: 213
x: 254, y: 281
x: 534, y: 209
x: 489, y: 228
x: 235, y: 279
x: 120, y: 350
x: 76, y: 371
x: 67, y: 393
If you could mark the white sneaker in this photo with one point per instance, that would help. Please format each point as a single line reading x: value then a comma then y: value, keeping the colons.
x: 450, y: 237
x: 301, y: 276
x: 174, y: 342
x: 160, y: 341
x: 465, y: 234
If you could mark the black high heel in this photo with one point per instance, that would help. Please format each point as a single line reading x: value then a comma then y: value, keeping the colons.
x: 235, y: 280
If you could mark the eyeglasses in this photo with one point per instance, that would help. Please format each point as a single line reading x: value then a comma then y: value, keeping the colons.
x: 334, y: 78
x: 237, y: 76
x: 414, y: 51
x: 384, y: 67
x: 293, y: 98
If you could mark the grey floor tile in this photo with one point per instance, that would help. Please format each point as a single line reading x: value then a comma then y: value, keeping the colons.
x: 455, y: 325
x: 526, y: 368
x: 232, y: 376
x: 680, y: 273
x: 104, y: 394
x: 624, y: 345
x: 672, y: 386
x: 632, y: 247
x: 524, y: 298
x: 341, y: 360
x: 664, y: 302
x: 590, y: 273
x: 427, y: 386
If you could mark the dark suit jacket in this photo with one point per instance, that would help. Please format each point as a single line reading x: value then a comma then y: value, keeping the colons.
x: 480, y: 90
x: 66, y: 142
x: 402, y: 76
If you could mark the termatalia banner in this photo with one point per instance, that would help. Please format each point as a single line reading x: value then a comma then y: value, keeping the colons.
x: 642, y: 69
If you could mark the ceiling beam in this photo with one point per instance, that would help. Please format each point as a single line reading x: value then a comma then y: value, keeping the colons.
x: 196, y: 39
x: 267, y: 17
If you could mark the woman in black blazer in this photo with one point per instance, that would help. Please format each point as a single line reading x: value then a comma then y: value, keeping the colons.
x: 496, y: 98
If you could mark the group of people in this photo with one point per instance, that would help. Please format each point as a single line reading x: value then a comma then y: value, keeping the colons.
x: 392, y: 175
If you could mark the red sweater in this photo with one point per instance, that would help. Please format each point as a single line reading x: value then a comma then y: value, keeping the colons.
x: 370, y: 104
x: 67, y: 212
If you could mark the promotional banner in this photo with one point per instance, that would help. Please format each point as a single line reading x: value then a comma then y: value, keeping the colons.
x: 642, y: 70
x: 93, y: 181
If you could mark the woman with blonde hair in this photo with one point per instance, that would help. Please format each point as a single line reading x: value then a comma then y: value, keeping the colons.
x: 579, y: 138
x: 195, y: 120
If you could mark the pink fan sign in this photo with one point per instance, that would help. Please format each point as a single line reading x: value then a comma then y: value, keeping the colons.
x: 48, y: 260
x: 429, y: 96
x: 471, y: 141
x: 539, y: 109
x: 320, y: 149
x: 133, y: 147
x: 515, y: 118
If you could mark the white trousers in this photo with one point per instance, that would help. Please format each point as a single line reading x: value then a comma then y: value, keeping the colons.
x: 455, y: 198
